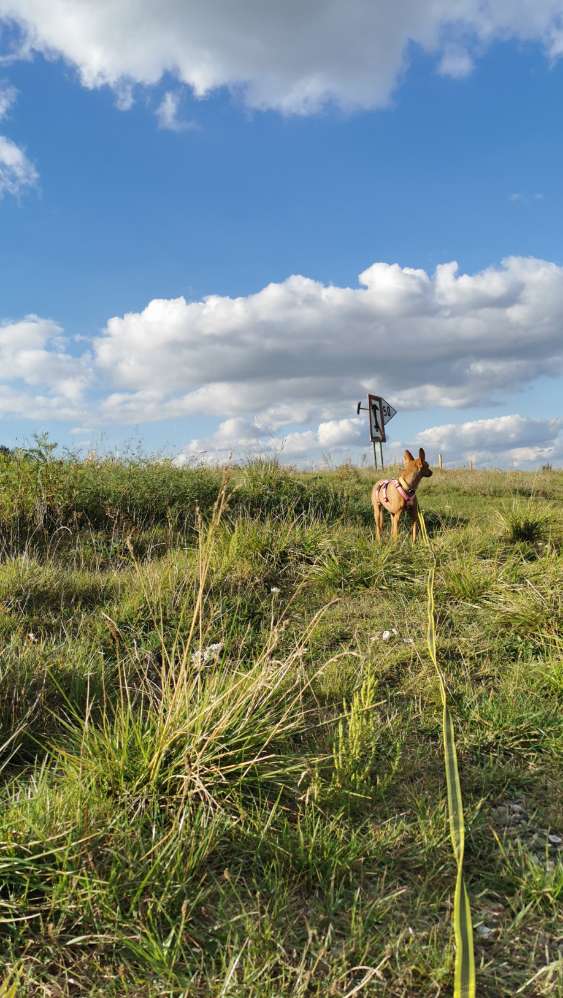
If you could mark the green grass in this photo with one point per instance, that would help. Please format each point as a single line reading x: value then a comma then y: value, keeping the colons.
x: 218, y: 779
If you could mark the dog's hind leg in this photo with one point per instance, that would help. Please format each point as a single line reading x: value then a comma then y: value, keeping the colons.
x: 378, y: 517
x: 381, y: 520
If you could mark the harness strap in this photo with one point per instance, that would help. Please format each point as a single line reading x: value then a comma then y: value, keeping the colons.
x: 383, y: 485
x: 403, y: 489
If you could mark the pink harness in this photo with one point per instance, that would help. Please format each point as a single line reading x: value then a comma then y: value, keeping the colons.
x: 409, y: 496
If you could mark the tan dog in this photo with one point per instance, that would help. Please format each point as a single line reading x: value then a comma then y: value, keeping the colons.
x: 397, y: 494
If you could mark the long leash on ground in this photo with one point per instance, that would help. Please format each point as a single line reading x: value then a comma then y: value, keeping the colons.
x: 464, y: 977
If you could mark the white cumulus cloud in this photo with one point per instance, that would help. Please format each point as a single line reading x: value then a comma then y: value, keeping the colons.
x: 39, y: 377
x: 168, y: 113
x: 8, y: 95
x: 503, y: 440
x: 238, y: 439
x: 336, y: 432
x: 16, y: 170
x: 456, y: 62
x: 295, y: 57
x: 300, y: 350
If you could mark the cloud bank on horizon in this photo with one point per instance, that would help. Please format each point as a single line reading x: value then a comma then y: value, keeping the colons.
x: 283, y: 365
x: 504, y: 441
x: 290, y: 57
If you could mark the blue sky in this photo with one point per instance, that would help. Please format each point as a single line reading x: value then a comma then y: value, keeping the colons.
x: 234, y: 193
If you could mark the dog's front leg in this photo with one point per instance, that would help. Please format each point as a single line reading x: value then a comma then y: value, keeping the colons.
x: 414, y: 518
x: 395, y: 517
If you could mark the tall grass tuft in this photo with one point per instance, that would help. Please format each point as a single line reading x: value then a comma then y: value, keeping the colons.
x: 464, y: 979
x: 526, y: 522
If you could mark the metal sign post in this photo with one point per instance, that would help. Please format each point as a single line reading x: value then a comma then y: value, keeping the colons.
x: 380, y: 412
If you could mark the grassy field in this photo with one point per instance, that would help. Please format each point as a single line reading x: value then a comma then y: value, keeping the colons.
x: 221, y: 767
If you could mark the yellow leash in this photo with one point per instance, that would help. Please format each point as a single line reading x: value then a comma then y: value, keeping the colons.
x: 464, y: 980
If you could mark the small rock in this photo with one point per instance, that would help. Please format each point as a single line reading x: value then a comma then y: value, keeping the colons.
x: 555, y: 840
x: 517, y: 808
x: 485, y: 932
x: 386, y: 636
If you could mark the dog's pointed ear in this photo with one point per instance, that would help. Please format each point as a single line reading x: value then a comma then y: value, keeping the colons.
x: 421, y: 454
x: 407, y: 456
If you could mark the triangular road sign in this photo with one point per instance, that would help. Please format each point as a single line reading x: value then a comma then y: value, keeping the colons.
x: 387, y: 411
